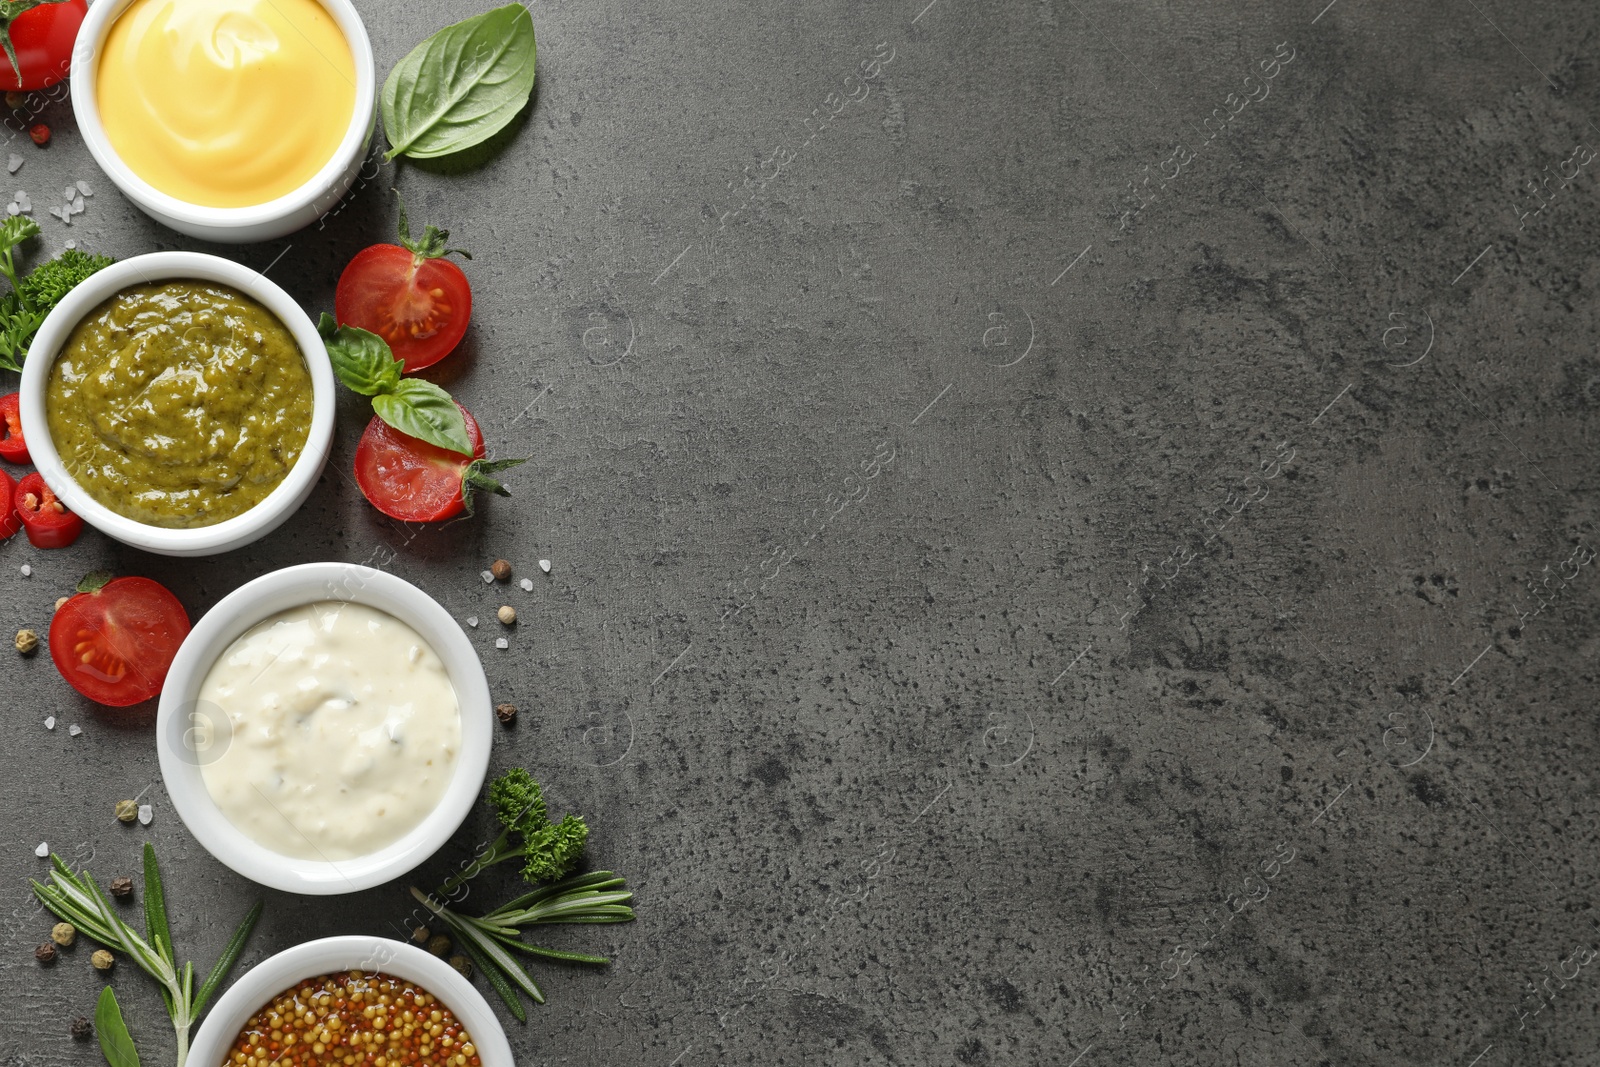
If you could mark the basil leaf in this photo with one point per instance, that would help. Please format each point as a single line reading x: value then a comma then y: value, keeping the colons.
x: 116, y: 1044
x: 361, y: 360
x: 423, y: 410
x: 461, y: 86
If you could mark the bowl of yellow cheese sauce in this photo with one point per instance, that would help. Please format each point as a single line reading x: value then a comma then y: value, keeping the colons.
x: 228, y: 120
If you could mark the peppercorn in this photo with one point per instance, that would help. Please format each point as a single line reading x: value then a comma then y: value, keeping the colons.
x: 40, y: 134
x: 16, y: 100
x: 127, y: 810
x: 507, y: 614
x: 27, y: 642
x: 81, y: 1028
x: 420, y: 935
x: 506, y: 713
x: 45, y: 953
x: 102, y: 959
x: 501, y: 570
x: 64, y: 934
x: 462, y: 965
x: 439, y: 945
x: 122, y: 888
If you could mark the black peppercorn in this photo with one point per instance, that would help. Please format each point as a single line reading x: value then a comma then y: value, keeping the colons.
x: 81, y: 1028
x: 122, y: 888
x: 45, y: 953
x: 506, y: 713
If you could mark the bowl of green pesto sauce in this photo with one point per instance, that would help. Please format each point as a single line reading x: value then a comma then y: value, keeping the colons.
x: 180, y: 402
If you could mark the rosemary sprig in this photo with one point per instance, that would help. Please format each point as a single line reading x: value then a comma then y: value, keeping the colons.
x: 76, y: 899
x: 597, y: 897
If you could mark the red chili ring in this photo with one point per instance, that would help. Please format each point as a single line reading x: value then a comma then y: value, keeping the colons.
x: 47, y: 520
x: 12, y: 446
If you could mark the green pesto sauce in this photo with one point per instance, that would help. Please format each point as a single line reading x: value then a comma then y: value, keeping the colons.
x: 180, y: 404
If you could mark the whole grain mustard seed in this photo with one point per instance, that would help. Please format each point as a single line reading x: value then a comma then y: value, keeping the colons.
x: 64, y: 934
x: 127, y: 810
x: 353, y: 1018
x: 102, y: 959
x: 27, y: 642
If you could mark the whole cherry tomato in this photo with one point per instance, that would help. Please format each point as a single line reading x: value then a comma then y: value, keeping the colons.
x: 408, y: 294
x: 114, y: 642
x: 12, y: 447
x: 37, y: 50
x: 416, y: 481
x: 47, y: 520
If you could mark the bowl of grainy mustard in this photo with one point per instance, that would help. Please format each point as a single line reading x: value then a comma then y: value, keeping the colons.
x: 371, y: 1001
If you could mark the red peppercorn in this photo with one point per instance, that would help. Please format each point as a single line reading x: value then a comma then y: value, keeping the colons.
x: 40, y: 134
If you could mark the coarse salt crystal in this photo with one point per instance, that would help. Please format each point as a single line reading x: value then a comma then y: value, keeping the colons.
x: 502, y: 643
x: 13, y: 163
x: 472, y: 620
x: 43, y: 850
x: 68, y: 193
x: 72, y: 244
x: 77, y: 205
x: 83, y: 187
x: 26, y: 570
x: 487, y: 576
x: 13, y: 209
x: 146, y: 813
x: 527, y: 585
x: 50, y: 722
x: 74, y: 729
x: 544, y: 565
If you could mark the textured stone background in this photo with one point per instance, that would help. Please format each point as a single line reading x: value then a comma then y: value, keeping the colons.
x: 926, y: 639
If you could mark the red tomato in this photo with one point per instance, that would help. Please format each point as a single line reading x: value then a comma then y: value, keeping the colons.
x: 413, y: 480
x: 115, y: 644
x: 10, y: 521
x: 47, y: 520
x: 409, y: 294
x: 42, y: 37
x: 12, y: 447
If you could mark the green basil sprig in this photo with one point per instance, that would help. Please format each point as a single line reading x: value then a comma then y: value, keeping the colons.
x: 461, y: 86
x: 362, y: 360
x: 116, y: 1044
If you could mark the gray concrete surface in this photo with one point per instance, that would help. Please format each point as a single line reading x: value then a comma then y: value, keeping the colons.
x: 991, y: 621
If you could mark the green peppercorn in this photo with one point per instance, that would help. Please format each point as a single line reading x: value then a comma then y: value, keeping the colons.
x: 463, y: 965
x: 439, y: 945
x: 127, y: 810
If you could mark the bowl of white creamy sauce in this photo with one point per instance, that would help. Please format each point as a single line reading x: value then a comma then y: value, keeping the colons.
x: 325, y: 728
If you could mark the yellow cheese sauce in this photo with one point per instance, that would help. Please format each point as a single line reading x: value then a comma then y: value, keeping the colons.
x: 226, y: 103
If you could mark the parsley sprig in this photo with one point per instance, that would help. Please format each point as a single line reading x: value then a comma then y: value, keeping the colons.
x: 34, y: 294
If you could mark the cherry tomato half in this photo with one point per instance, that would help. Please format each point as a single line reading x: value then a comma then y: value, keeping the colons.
x: 10, y: 521
x: 47, y: 520
x: 42, y: 37
x: 12, y: 447
x: 413, y: 480
x: 409, y: 294
x: 115, y: 644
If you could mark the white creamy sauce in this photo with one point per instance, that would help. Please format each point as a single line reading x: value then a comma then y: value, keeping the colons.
x: 344, y: 731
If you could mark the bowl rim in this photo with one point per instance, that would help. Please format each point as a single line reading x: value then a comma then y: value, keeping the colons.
x: 280, y: 590
x: 86, y: 108
x: 272, y: 509
x: 347, y: 952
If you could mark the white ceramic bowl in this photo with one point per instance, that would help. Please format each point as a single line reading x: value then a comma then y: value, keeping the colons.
x: 330, y: 955
x: 187, y: 735
x: 204, y: 540
x: 228, y: 225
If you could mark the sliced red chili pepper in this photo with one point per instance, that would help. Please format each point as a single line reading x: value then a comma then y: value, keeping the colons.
x: 10, y: 521
x: 12, y: 446
x: 47, y: 520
